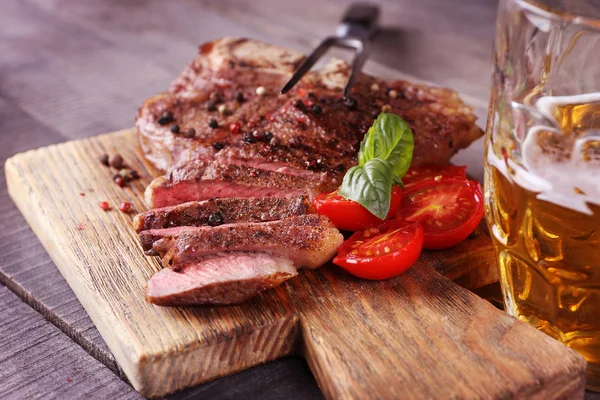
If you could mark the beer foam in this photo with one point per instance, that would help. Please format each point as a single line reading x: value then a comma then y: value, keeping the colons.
x: 559, y: 167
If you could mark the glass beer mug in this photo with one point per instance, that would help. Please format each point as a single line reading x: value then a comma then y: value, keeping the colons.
x: 542, y: 168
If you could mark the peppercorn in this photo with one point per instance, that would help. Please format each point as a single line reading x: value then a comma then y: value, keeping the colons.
x: 299, y: 104
x: 125, y: 207
x: 165, y: 118
x: 340, y: 168
x: 239, y: 97
x: 120, y: 181
x: 268, y: 136
x: 190, y: 133
x: 234, y: 127
x: 134, y: 174
x: 317, y: 109
x: 215, y: 219
x: 124, y: 173
x: 213, y: 123
x: 104, y: 159
x: 231, y: 64
x: 222, y: 109
x: 218, y: 146
x: 104, y: 205
x: 351, y: 103
x: 175, y: 128
x: 116, y: 161
x: 211, y: 106
x: 375, y: 114
x: 248, y: 138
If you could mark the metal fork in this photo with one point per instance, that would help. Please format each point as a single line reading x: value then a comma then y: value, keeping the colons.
x: 355, y: 31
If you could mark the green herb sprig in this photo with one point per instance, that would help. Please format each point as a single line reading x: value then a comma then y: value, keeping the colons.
x: 383, y: 159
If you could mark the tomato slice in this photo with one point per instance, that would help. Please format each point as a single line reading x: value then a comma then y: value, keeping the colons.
x: 418, y: 174
x: 382, y: 252
x: 349, y: 215
x: 449, y: 209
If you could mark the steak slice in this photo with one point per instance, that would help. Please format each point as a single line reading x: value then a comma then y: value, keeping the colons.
x: 223, y: 211
x: 308, y: 241
x: 225, y: 278
x: 309, y: 132
x: 198, y: 180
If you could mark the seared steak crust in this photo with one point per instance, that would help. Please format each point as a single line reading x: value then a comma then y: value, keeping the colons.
x: 197, y: 180
x: 311, y: 130
x: 308, y: 240
x: 224, y: 211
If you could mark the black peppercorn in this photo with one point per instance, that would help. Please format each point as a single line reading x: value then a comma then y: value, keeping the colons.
x: 231, y: 64
x: 104, y: 159
x: 211, y: 106
x: 249, y: 138
x: 213, y: 123
x: 299, y: 104
x: 165, y: 118
x: 134, y: 174
x: 175, y: 128
x: 218, y: 146
x: 451, y: 143
x: 268, y: 136
x: 317, y: 109
x: 239, y: 97
x: 340, y: 168
x: 375, y: 114
x: 215, y: 219
x: 350, y: 102
x: 190, y: 133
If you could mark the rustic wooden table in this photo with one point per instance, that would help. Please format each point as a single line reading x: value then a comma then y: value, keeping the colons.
x: 71, y: 69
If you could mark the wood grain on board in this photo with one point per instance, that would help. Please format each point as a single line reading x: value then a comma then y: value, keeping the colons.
x: 416, y: 334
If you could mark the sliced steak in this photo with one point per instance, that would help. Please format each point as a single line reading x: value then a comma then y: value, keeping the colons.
x: 198, y: 180
x: 226, y: 278
x: 223, y: 211
x: 309, y: 132
x: 308, y: 241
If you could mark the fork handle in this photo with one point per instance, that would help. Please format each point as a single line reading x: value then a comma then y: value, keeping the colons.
x: 360, y: 21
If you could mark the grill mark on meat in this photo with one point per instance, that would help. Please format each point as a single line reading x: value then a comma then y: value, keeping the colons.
x: 197, y: 180
x: 224, y: 278
x: 231, y: 210
x: 308, y: 240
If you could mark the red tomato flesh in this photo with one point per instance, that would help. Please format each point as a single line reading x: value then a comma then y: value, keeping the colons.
x: 449, y: 209
x: 418, y: 174
x: 382, y: 252
x: 348, y: 215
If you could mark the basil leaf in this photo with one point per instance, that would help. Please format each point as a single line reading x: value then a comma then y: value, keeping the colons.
x: 370, y: 185
x: 390, y: 139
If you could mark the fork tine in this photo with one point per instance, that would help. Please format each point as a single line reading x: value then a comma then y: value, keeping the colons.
x: 308, y: 63
x: 360, y: 57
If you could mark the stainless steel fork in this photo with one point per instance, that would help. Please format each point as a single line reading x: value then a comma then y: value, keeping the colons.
x: 354, y: 32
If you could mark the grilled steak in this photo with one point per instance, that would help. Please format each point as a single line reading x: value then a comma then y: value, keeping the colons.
x: 223, y: 211
x: 308, y: 241
x: 197, y: 180
x: 225, y: 278
x: 222, y: 115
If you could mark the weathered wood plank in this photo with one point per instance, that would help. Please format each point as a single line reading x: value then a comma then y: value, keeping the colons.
x: 38, y: 361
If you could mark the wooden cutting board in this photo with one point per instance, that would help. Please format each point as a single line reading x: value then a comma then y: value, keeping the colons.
x: 416, y: 336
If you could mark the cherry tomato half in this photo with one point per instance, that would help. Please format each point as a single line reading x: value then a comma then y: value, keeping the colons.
x: 382, y: 252
x: 418, y: 174
x: 449, y: 209
x: 349, y: 215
